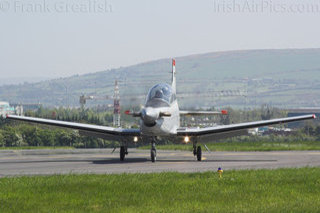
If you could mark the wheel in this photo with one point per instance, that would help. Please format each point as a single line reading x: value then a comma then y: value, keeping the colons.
x: 153, y: 155
x: 199, y: 153
x: 122, y: 153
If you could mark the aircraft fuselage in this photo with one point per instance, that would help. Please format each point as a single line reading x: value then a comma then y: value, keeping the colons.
x: 160, y: 116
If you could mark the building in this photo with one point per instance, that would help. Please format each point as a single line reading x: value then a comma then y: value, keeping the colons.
x: 5, y: 109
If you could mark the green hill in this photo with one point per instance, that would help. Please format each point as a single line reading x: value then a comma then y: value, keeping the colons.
x: 286, y: 78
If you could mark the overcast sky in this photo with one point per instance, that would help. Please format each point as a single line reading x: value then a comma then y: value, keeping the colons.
x: 56, y: 38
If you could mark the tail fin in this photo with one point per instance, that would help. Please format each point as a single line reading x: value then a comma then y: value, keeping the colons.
x: 174, y: 75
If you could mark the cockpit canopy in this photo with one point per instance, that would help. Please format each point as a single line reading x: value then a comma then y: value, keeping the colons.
x: 161, y: 92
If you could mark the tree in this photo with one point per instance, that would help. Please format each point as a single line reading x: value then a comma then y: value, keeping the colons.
x: 10, y: 138
x: 2, y: 143
x: 266, y: 112
x: 47, y: 137
x: 317, y: 131
x: 309, y: 128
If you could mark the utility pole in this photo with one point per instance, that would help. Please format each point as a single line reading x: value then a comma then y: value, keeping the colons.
x: 67, y: 95
x: 116, y: 105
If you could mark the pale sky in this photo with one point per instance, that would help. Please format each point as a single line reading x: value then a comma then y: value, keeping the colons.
x: 55, y: 38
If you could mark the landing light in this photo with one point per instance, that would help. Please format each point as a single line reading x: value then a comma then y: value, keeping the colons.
x: 135, y: 139
x: 186, y: 139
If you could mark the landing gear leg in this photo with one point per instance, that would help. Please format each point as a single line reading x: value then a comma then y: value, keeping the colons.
x: 197, y: 150
x: 153, y: 151
x: 194, y: 149
x: 123, y: 152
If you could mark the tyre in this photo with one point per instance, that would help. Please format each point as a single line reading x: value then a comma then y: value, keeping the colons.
x: 199, y: 153
x: 153, y: 156
x: 122, y: 153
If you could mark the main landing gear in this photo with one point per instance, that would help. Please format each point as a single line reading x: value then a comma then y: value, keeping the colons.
x: 123, y: 152
x: 197, y: 152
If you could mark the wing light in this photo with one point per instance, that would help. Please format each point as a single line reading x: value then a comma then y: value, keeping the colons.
x: 224, y: 112
x: 186, y: 139
x: 135, y: 139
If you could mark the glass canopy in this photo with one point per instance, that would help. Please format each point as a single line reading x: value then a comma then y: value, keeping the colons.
x: 162, y: 92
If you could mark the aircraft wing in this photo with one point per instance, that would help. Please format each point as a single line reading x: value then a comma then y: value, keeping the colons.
x: 232, y: 130
x: 195, y: 113
x: 104, y: 132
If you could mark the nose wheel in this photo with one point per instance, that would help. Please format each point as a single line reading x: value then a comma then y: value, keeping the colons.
x: 153, y: 152
x: 153, y: 155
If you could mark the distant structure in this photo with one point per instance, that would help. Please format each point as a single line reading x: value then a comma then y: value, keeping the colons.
x: 21, y: 107
x: 116, y: 103
x: 19, y: 110
x: 5, y: 109
x: 83, y: 99
x: 116, y: 106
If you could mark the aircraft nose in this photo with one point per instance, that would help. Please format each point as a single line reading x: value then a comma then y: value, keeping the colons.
x: 149, y: 116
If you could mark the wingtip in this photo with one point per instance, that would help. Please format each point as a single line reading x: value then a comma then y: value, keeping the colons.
x: 224, y: 112
x: 314, y: 116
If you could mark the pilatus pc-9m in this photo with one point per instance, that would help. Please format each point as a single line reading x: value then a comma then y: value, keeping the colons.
x: 161, y: 117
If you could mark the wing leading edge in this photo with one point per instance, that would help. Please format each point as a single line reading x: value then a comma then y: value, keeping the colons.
x: 236, y: 129
x: 195, y: 113
x: 86, y: 129
x: 120, y: 134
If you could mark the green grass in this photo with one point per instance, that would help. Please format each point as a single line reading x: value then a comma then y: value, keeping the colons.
x: 282, y: 190
x: 36, y: 147
x: 247, y: 146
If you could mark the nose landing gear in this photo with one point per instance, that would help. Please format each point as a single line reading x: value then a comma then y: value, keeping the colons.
x: 153, y: 151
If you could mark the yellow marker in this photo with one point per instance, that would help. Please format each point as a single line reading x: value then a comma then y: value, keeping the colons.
x: 220, y: 171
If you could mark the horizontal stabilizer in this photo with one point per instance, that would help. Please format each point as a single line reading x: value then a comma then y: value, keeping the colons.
x: 134, y: 114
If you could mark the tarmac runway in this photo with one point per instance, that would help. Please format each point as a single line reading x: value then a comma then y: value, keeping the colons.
x: 102, y: 161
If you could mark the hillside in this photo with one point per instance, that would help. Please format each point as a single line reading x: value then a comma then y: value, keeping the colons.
x: 285, y: 78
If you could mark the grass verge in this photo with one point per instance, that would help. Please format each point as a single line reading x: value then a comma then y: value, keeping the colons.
x: 35, y: 147
x: 247, y: 146
x: 282, y: 190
